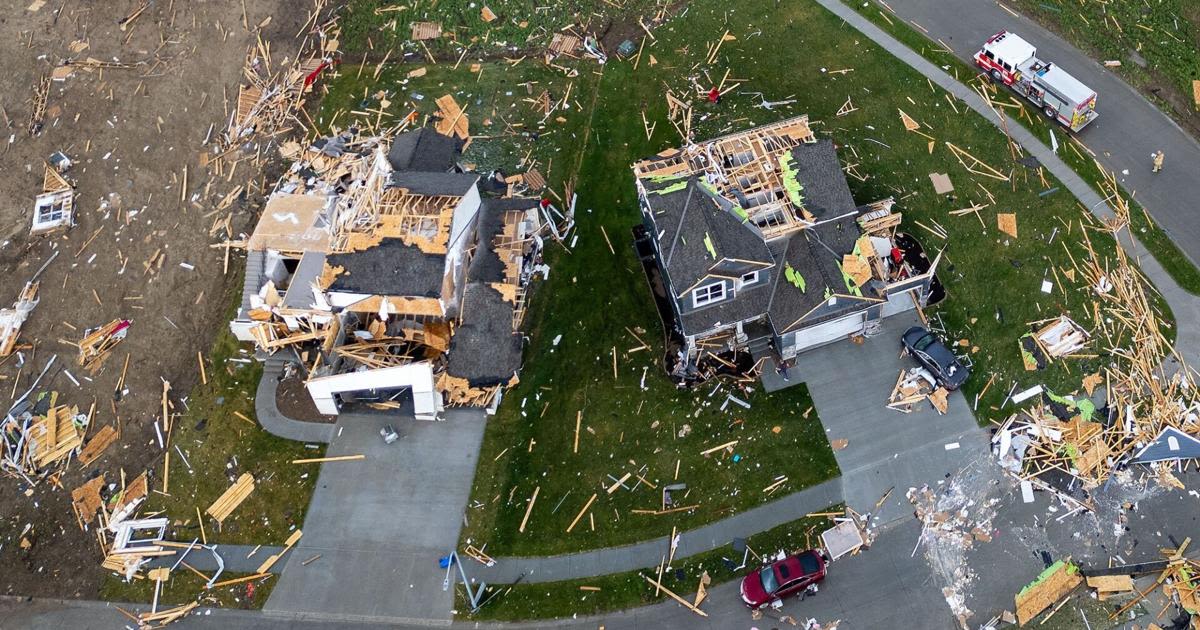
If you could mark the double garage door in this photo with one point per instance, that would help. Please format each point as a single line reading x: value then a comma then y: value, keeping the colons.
x: 833, y: 330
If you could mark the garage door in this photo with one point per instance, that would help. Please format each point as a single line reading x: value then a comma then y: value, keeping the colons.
x: 898, y: 303
x: 825, y: 333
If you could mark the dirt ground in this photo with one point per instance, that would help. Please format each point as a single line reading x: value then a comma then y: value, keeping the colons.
x: 131, y: 133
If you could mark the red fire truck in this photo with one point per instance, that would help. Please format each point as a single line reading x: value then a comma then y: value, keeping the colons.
x: 1013, y: 61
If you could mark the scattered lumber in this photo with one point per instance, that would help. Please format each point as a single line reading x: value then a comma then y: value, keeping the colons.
x: 231, y: 498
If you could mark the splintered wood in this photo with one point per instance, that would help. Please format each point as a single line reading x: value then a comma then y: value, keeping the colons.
x: 454, y: 118
x: 758, y: 159
x: 1059, y: 440
x: 95, y: 345
x: 12, y: 319
x: 96, y: 446
x: 426, y: 30
x: 233, y: 497
x: 1054, y: 584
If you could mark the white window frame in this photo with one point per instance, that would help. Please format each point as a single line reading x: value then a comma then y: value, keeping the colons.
x: 712, y: 293
x: 753, y: 279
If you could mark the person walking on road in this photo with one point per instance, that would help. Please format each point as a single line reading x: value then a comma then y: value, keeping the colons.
x: 1158, y: 161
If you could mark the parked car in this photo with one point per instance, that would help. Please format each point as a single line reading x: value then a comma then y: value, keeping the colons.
x: 784, y: 578
x: 931, y: 353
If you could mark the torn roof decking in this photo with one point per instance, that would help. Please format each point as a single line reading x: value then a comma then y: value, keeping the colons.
x: 485, y: 350
x: 391, y: 268
x: 747, y: 169
x: 293, y: 222
x: 497, y: 240
x: 814, y: 254
x: 424, y: 150
x: 696, y: 235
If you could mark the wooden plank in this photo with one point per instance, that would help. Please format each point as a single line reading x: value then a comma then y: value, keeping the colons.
x: 97, y: 445
x: 581, y: 513
x: 675, y: 597
x: 1111, y: 583
x: 529, y: 509
x: 719, y: 448
x: 321, y: 460
x: 232, y: 498
x: 623, y: 479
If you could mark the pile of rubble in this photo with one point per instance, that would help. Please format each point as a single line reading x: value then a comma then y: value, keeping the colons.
x: 1139, y: 408
x: 381, y: 263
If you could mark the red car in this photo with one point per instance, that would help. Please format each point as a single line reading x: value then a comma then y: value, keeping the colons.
x: 782, y: 579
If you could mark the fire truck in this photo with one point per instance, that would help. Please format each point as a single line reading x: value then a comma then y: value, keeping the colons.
x: 1013, y: 61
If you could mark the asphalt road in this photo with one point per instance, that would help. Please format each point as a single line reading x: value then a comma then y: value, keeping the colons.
x: 1128, y: 130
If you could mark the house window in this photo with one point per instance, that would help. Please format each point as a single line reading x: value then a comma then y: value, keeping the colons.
x: 708, y: 294
x: 748, y: 279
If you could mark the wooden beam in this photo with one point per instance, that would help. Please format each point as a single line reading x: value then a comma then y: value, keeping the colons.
x: 675, y: 597
x: 321, y: 460
x: 581, y: 513
x: 529, y: 509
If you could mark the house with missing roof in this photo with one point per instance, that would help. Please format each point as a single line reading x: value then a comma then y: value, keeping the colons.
x: 759, y: 245
x: 380, y: 268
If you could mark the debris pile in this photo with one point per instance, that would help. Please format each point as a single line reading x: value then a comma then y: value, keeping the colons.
x: 12, y: 319
x: 269, y: 100
x: 1142, y: 395
x: 383, y: 265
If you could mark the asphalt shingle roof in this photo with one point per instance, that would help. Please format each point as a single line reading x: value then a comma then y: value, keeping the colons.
x: 389, y: 268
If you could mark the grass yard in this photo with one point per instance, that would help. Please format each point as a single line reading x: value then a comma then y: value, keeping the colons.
x: 518, y: 28
x: 1164, y: 250
x: 621, y: 591
x: 508, y: 130
x: 219, y: 446
x: 185, y: 587
x: 591, y: 299
x: 1164, y: 36
x: 596, y: 306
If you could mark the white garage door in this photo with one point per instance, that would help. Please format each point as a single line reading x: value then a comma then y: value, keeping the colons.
x: 825, y: 333
x: 898, y: 303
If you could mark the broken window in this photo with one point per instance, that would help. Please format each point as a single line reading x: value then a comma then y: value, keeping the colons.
x: 748, y: 279
x: 708, y: 294
x: 52, y: 210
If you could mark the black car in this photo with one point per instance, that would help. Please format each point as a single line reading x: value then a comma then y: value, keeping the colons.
x: 935, y: 357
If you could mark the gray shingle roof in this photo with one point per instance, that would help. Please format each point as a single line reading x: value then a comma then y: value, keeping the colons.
x: 814, y: 253
x: 686, y: 217
x: 819, y: 172
x: 486, y: 265
x: 389, y: 268
x: 484, y: 349
x: 424, y: 150
x: 453, y: 184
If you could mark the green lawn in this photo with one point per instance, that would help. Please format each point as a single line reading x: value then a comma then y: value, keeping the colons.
x: 1164, y: 250
x: 519, y: 27
x: 620, y: 591
x: 596, y: 299
x: 185, y: 587
x: 219, y: 446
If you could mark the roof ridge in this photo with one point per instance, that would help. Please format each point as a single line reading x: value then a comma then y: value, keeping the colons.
x: 691, y: 187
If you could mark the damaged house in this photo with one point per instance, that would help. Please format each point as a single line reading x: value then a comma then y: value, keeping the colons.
x: 761, y: 248
x: 384, y: 269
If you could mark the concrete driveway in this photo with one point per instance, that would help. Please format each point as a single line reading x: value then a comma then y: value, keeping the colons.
x: 380, y: 525
x: 850, y: 385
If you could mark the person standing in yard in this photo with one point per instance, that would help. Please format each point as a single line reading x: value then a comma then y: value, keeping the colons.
x: 1158, y: 161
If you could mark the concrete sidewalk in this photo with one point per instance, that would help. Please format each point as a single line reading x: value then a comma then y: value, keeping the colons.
x: 646, y: 554
x: 276, y: 423
x: 381, y: 524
